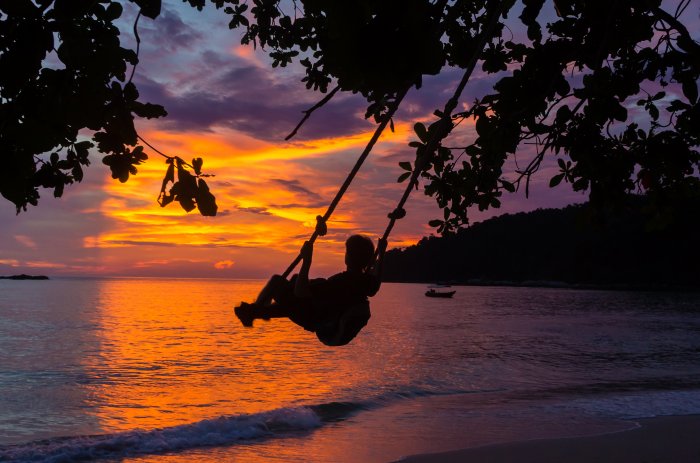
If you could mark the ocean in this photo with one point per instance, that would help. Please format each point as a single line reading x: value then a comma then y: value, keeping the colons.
x: 160, y: 370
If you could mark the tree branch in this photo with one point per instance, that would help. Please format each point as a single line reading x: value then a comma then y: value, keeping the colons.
x: 308, y: 112
x: 138, y: 44
x: 688, y: 41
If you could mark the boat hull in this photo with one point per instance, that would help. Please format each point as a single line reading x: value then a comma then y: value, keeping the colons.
x: 437, y: 294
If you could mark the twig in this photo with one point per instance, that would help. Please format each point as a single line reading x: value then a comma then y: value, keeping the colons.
x: 138, y: 45
x: 307, y: 113
x: 680, y: 28
x: 163, y: 154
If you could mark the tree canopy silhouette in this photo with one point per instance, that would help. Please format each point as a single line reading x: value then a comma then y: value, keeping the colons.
x: 609, y: 89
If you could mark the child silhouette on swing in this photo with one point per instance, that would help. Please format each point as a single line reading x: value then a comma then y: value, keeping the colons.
x: 336, y: 308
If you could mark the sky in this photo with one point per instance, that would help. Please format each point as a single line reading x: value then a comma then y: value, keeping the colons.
x: 228, y: 106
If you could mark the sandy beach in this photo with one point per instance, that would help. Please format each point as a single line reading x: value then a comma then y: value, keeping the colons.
x: 670, y: 439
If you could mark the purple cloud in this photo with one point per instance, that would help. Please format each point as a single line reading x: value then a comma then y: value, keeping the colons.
x: 254, y: 210
x: 296, y: 187
x: 251, y: 100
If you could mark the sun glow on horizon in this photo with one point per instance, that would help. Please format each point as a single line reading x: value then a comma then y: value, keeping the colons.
x: 268, y: 197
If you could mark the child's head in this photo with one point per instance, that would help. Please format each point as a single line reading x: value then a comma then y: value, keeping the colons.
x: 359, y: 252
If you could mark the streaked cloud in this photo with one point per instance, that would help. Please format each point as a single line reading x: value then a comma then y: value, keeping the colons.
x: 44, y: 264
x: 25, y: 241
x: 164, y: 262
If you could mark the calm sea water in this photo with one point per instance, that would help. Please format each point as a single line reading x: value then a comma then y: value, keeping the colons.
x: 153, y: 370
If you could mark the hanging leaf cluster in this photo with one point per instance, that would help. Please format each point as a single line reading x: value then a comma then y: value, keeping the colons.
x: 188, y: 188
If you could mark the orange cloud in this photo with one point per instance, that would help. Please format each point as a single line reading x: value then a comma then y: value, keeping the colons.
x: 224, y: 264
x: 164, y: 262
x: 26, y: 241
x: 44, y: 264
x: 268, y: 197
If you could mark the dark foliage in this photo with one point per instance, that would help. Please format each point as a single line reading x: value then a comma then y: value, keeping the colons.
x: 63, y: 70
x: 631, y: 247
x: 567, y: 88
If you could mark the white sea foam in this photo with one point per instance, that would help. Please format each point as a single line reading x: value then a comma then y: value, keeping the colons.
x: 642, y: 404
x: 220, y: 431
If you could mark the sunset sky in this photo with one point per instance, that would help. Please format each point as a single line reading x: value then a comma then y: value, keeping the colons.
x: 228, y: 106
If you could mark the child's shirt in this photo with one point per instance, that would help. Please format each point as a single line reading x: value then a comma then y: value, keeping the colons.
x: 344, y: 288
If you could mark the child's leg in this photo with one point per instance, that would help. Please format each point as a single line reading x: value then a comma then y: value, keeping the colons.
x: 278, y: 289
x: 272, y: 290
x: 247, y: 313
x: 271, y: 311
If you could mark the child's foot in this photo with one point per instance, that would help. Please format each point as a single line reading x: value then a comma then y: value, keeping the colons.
x: 244, y: 312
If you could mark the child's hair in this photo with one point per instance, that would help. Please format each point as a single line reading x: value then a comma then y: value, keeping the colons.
x: 359, y: 252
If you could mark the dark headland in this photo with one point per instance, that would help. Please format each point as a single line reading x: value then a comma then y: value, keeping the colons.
x: 24, y: 277
x: 630, y: 248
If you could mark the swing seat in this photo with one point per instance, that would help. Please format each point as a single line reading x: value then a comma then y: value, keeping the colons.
x: 343, y: 329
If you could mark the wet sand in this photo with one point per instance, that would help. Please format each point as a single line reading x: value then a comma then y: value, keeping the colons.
x: 669, y: 439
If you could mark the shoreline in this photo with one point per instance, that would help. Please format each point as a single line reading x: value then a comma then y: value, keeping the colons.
x: 665, y: 439
x: 557, y: 285
x: 24, y: 276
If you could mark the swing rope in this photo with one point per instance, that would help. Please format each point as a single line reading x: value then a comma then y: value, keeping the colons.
x: 321, y: 220
x: 442, y: 128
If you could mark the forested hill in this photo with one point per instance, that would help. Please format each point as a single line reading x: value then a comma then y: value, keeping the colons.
x: 626, y: 249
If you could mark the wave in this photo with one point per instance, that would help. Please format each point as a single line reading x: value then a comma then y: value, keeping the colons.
x: 224, y: 430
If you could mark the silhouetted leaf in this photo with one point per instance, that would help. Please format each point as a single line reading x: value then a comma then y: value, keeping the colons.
x: 421, y: 131
x: 653, y: 111
x: 58, y: 190
x: 149, y: 8
x: 206, y: 203
x: 403, y: 177
x: 556, y: 180
x: 169, y: 175
x: 508, y: 186
x: 187, y: 203
x: 677, y: 105
x: 77, y: 172
x: 130, y: 92
x: 114, y: 11
x: 197, y: 165
x: 690, y: 90
x: 165, y: 199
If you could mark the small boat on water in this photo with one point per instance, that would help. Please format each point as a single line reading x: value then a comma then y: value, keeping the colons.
x: 432, y: 293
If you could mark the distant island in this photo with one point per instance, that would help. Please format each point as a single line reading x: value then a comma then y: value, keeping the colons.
x: 632, y: 248
x: 24, y: 277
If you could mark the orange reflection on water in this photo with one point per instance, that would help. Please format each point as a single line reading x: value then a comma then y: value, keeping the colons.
x: 173, y: 353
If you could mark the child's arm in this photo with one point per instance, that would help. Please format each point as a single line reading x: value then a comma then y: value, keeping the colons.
x: 376, y: 269
x: 301, y: 288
